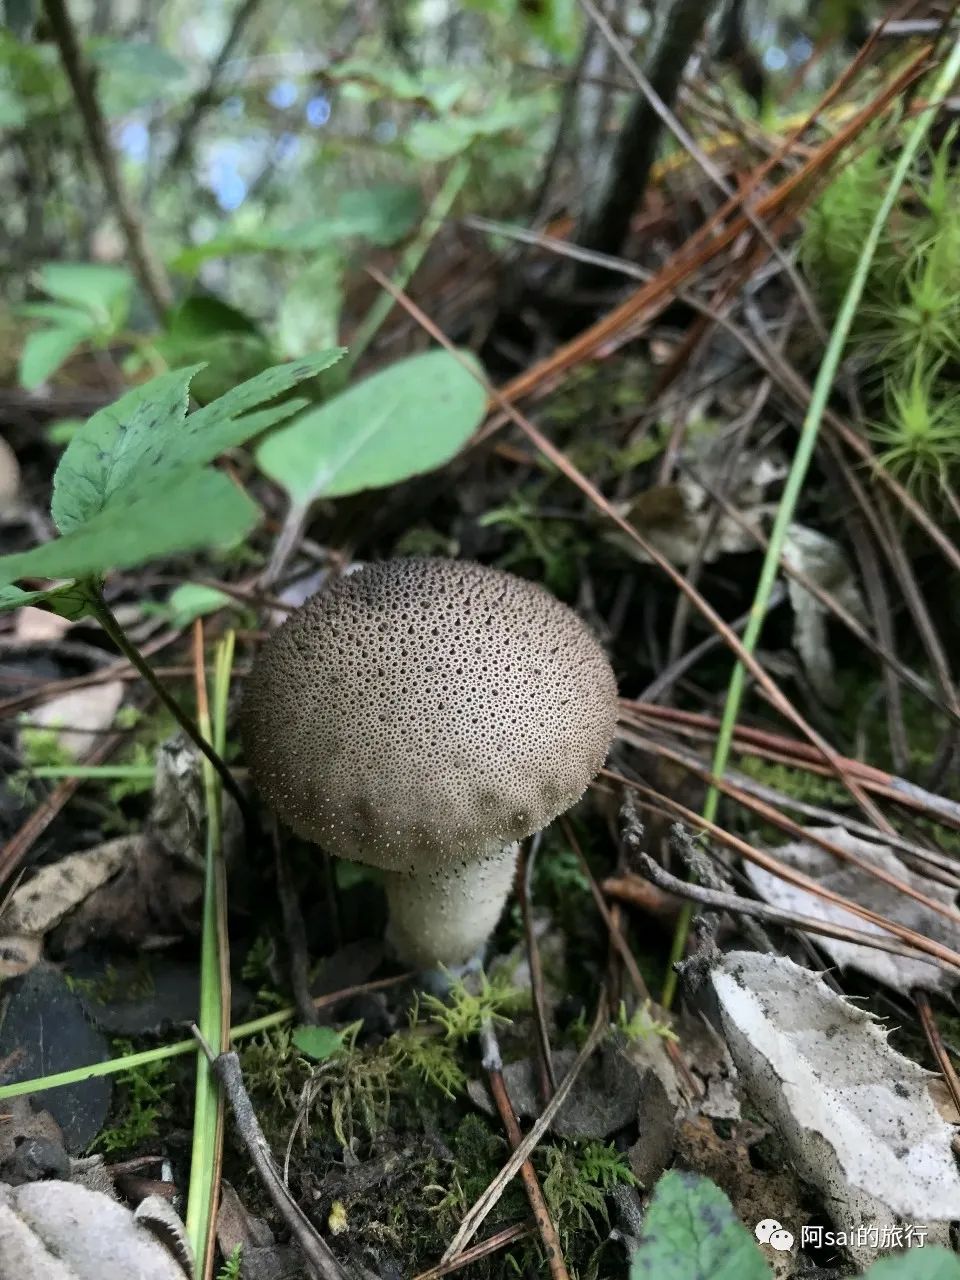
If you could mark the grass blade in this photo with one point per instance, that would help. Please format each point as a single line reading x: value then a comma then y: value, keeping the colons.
x: 214, y: 1015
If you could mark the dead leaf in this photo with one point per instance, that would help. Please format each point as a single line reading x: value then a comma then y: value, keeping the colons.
x: 18, y: 954
x: 61, y: 1231
x: 152, y: 901
x: 263, y: 1258
x: 658, y: 1104
x: 178, y: 816
x: 603, y: 1099
x: 9, y: 481
x: 42, y: 902
x: 19, y: 1122
x: 855, y: 1116
x: 821, y: 559
x: 39, y: 626
x: 84, y: 713
x: 755, y: 1193
x: 676, y: 518
x: 899, y: 972
x: 708, y: 1057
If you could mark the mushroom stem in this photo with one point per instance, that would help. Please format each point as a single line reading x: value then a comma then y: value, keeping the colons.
x: 444, y: 915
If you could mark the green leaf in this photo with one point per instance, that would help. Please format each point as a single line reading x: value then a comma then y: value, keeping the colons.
x: 34, y: 74
x: 133, y: 74
x: 203, y: 316
x: 317, y: 1043
x: 380, y: 214
x: 436, y: 85
x: 690, y: 1232
x: 13, y: 113
x: 193, y: 600
x: 117, y: 446
x: 229, y: 342
x: 192, y: 510
x: 70, y: 601
x: 556, y: 23
x: 45, y: 351
x: 309, y: 315
x: 14, y: 598
x: 102, y: 291
x: 408, y: 419
x: 136, y: 58
x: 58, y: 314
x: 125, y: 449
x: 218, y: 426
x: 929, y: 1263
x: 74, y: 600
x: 438, y: 140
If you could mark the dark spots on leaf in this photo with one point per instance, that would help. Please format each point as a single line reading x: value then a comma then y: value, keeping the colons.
x: 713, y: 1219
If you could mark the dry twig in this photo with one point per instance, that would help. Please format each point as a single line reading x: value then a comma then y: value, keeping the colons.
x: 493, y: 1066
x: 320, y: 1261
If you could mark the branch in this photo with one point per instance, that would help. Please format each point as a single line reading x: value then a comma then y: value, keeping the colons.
x: 531, y: 1183
x: 206, y: 97
x: 320, y: 1260
x: 606, y: 226
x: 147, y: 268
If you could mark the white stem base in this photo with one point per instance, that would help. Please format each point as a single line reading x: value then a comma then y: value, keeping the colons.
x: 445, y: 916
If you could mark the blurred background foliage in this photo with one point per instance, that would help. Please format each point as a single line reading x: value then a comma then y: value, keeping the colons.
x: 264, y: 144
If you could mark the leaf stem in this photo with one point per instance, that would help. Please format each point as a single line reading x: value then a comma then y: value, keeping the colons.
x: 104, y: 615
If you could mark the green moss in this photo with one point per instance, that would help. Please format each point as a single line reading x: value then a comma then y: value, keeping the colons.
x: 468, y: 1006
x: 549, y: 547
x: 39, y: 748
x: 576, y: 1178
x: 424, y: 540
x: 142, y: 1104
x: 641, y: 1024
x: 257, y: 973
x: 908, y: 325
x: 801, y: 784
x: 113, y: 985
x: 148, y: 731
x: 231, y: 1268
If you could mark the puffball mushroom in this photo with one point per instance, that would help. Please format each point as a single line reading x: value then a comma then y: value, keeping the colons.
x: 422, y: 716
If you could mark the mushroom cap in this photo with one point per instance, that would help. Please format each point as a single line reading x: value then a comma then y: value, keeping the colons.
x: 420, y: 708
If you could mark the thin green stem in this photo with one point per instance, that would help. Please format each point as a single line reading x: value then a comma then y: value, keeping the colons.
x: 801, y: 462
x: 103, y: 772
x: 104, y: 615
x: 213, y: 1019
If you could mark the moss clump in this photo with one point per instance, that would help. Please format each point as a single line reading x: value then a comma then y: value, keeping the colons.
x: 551, y: 547
x: 576, y: 1179
x: 143, y: 1098
x: 908, y: 325
x: 801, y: 784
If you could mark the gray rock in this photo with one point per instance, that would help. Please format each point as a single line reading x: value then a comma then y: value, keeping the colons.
x: 44, y: 1031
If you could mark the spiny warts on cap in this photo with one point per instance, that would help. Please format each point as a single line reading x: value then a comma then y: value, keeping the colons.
x: 420, y: 708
